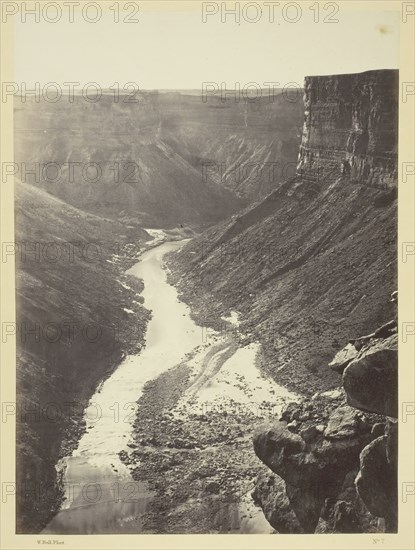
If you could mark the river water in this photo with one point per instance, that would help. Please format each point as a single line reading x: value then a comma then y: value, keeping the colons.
x: 100, y: 494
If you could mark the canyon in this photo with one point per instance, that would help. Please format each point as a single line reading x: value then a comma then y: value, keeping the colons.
x: 281, y: 273
x: 164, y: 159
x: 78, y: 314
x: 308, y: 269
x: 314, y: 262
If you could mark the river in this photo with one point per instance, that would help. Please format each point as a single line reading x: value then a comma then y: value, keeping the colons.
x: 100, y: 494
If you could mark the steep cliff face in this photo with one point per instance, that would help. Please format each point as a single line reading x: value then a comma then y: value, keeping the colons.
x: 315, y: 261
x: 351, y: 124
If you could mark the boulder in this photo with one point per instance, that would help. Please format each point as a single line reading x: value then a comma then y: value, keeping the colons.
x: 330, y: 394
x: 288, y: 411
x: 280, y: 450
x: 309, y: 433
x: 270, y: 495
x: 343, y: 358
x: 343, y: 423
x: 313, y: 470
x: 371, y: 380
x: 376, y: 482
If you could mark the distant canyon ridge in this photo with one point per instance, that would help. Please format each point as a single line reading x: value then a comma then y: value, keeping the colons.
x: 164, y: 159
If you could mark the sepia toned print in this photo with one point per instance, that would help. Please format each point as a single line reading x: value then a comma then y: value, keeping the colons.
x: 206, y: 254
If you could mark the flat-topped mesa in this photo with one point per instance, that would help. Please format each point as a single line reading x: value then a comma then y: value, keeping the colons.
x: 351, y: 128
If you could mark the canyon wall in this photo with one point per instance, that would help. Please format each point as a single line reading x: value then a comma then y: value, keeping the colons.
x: 309, y: 269
x: 162, y: 160
x: 314, y: 262
x: 335, y: 466
x: 351, y: 125
x: 77, y: 316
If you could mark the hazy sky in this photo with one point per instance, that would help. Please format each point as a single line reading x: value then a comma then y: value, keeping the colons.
x: 177, y: 50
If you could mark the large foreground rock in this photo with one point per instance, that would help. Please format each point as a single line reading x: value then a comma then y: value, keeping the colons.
x: 312, y: 470
x: 377, y: 480
x: 270, y: 495
x: 343, y: 358
x: 343, y: 423
x: 371, y: 380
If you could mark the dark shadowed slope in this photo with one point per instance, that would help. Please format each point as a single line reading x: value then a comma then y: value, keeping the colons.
x: 72, y: 331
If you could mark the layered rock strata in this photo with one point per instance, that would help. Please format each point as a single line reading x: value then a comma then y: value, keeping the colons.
x: 350, y: 125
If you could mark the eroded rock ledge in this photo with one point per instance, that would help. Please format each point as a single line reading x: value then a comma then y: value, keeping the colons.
x: 334, y: 458
x: 351, y: 119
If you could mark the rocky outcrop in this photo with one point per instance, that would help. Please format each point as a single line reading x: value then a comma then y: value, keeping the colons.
x: 319, y: 448
x: 270, y: 494
x: 371, y: 379
x: 376, y: 481
x: 350, y: 127
x: 343, y: 358
x: 313, y: 455
x: 371, y: 384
